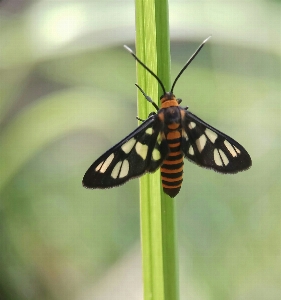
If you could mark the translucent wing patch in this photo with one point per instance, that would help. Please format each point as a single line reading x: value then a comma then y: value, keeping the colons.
x: 210, y: 148
x: 141, y: 151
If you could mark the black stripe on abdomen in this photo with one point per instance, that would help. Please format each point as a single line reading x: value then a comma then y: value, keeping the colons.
x: 172, y: 167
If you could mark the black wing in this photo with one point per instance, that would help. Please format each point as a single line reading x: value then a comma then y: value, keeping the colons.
x: 141, y: 151
x: 210, y: 148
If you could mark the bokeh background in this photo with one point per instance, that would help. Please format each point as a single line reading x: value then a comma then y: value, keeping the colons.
x: 67, y: 94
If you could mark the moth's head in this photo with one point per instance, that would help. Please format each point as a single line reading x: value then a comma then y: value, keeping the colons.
x: 167, y: 96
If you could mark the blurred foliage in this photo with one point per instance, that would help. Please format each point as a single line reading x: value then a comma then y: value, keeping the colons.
x: 67, y: 94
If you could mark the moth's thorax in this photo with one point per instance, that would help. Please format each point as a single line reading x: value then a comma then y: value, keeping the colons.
x: 170, y: 115
x: 168, y: 100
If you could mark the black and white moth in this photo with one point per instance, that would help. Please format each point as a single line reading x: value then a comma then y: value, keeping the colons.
x: 163, y: 140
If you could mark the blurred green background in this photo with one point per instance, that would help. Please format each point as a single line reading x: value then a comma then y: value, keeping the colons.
x: 67, y: 94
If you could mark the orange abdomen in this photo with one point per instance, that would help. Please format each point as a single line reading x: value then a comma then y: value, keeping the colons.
x: 172, y: 167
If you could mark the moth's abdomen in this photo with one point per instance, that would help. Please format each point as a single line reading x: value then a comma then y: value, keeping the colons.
x: 172, y: 167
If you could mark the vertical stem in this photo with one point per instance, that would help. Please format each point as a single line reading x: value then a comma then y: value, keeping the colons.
x: 160, y: 273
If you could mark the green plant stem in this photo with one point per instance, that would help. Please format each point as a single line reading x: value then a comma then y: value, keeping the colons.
x: 159, y: 255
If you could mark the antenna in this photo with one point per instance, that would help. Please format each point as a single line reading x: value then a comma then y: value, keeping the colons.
x: 188, y: 62
x: 140, y: 62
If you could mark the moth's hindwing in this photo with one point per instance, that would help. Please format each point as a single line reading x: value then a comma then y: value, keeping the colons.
x: 210, y: 148
x: 141, y: 151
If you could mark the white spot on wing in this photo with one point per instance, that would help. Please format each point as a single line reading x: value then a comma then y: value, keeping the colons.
x: 128, y: 146
x: 191, y: 125
x: 156, y: 155
x: 159, y: 139
x: 106, y: 163
x: 98, y: 167
x: 124, y: 169
x: 201, y: 142
x: 224, y: 157
x: 141, y: 150
x: 238, y: 151
x: 217, y: 158
x: 211, y: 135
x: 116, y: 169
x: 191, y: 150
x: 184, y: 135
x: 230, y: 148
x: 149, y: 131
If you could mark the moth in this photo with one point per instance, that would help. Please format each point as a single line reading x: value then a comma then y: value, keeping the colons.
x: 162, y: 141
